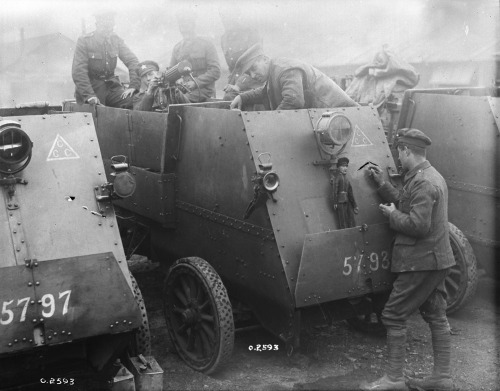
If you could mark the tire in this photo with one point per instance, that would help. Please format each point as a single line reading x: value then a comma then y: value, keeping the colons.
x: 142, y: 341
x: 198, y: 314
x: 461, y: 282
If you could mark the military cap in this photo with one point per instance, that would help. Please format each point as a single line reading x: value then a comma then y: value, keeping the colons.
x: 146, y: 66
x: 413, y: 137
x: 247, y: 59
x: 343, y: 161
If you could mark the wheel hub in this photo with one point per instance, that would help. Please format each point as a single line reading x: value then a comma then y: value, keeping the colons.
x: 190, y: 316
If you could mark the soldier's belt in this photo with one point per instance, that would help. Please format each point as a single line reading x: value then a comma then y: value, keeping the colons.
x: 101, y: 77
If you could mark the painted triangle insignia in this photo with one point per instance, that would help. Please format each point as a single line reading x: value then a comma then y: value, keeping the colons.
x: 61, y: 150
x: 359, y: 139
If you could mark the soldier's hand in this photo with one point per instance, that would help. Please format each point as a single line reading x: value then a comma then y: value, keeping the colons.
x: 387, y: 209
x: 94, y: 100
x: 356, y: 210
x: 236, y: 103
x: 231, y: 88
x: 152, y: 85
x: 128, y: 92
x: 376, y: 174
x: 190, y: 85
x: 334, y: 206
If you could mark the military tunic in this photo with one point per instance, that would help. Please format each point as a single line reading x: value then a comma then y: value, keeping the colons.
x: 293, y: 84
x: 421, y: 221
x: 204, y: 60
x: 143, y: 101
x: 422, y: 253
x: 94, y: 66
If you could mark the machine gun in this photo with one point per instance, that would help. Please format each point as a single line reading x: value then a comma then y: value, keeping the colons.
x: 170, y: 92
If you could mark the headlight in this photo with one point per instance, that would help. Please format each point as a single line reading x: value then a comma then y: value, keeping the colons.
x: 15, y: 148
x: 333, y: 130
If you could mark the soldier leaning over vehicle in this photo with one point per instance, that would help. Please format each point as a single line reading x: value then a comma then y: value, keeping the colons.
x: 421, y: 259
x: 290, y: 84
x: 94, y: 66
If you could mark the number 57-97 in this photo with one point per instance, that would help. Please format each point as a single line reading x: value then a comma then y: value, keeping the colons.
x: 47, y: 301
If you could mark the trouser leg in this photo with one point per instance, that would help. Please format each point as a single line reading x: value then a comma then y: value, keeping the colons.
x: 396, y: 351
x: 114, y: 96
x: 433, y: 312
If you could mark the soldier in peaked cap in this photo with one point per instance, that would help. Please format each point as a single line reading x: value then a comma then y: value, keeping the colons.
x: 421, y: 259
x: 148, y: 72
x: 239, y: 80
x: 94, y: 64
x: 237, y: 42
x: 291, y: 84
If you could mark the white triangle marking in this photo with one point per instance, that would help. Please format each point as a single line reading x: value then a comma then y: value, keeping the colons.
x: 61, y: 150
x: 359, y: 139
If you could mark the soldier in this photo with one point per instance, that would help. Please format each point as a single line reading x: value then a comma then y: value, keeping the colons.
x: 421, y: 258
x: 202, y: 56
x: 343, y: 197
x: 236, y: 41
x: 148, y: 72
x: 94, y: 66
x: 290, y: 84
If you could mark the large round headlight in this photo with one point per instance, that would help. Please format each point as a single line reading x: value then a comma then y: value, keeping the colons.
x: 333, y: 130
x: 15, y: 148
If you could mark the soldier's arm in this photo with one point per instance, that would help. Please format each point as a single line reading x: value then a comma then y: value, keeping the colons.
x: 253, y: 96
x: 130, y: 60
x: 80, y: 71
x: 213, y: 67
x: 389, y: 193
x: 144, y: 102
x: 292, y: 90
x: 417, y: 223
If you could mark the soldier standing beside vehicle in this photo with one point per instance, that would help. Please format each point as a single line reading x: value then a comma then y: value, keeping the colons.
x: 343, y: 196
x: 148, y: 72
x: 94, y: 66
x: 421, y: 258
x: 202, y: 56
x: 291, y: 84
x: 237, y: 40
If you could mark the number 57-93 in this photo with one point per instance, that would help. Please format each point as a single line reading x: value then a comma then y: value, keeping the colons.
x: 376, y: 262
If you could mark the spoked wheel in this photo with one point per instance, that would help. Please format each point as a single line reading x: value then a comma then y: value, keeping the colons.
x: 198, y: 314
x: 461, y: 282
x: 143, y: 336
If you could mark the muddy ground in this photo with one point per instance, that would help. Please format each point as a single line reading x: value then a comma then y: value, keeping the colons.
x: 335, y: 357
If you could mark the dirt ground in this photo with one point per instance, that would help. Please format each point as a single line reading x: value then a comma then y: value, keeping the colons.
x: 335, y: 357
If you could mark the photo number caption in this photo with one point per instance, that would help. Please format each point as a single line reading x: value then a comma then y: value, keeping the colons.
x: 375, y: 261
x: 263, y: 348
x: 58, y: 381
x: 50, y: 303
